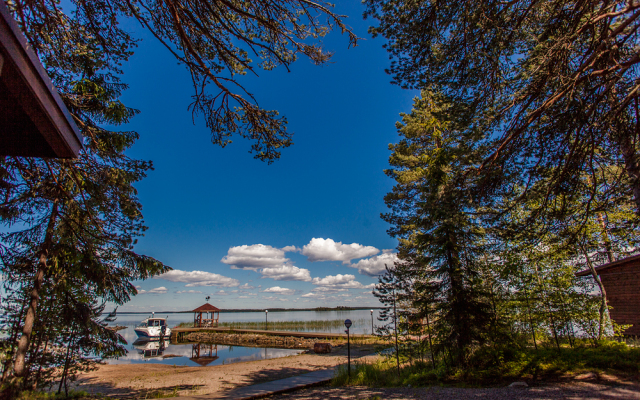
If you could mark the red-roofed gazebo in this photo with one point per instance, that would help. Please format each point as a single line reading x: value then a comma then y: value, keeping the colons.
x: 211, y: 314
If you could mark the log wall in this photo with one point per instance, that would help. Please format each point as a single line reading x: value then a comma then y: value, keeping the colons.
x: 622, y: 283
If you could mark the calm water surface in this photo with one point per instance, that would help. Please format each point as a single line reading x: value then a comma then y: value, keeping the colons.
x: 207, y: 355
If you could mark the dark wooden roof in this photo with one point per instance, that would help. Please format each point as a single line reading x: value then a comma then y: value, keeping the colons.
x: 34, y: 121
x: 607, y: 266
x: 206, y: 307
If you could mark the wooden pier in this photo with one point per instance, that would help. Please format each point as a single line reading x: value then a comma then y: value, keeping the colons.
x: 178, y: 333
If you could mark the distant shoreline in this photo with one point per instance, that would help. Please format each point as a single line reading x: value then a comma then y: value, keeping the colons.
x: 230, y: 310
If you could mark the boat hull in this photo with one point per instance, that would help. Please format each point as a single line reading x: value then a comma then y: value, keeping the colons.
x: 151, y: 334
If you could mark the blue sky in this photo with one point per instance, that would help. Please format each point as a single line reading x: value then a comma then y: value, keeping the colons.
x: 304, y: 231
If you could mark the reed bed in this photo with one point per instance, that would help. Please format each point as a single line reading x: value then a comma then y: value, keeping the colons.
x: 294, y: 326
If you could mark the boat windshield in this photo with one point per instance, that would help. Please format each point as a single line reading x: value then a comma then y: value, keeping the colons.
x: 152, y: 322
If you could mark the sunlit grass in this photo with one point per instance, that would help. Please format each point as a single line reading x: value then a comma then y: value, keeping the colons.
x: 495, y: 366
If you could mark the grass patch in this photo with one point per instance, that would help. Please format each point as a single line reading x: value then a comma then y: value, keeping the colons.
x: 162, y: 394
x: 496, y: 366
x: 35, y: 395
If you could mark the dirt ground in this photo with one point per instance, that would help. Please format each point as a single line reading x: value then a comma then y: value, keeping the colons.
x: 557, y: 390
x: 147, y: 380
x: 135, y: 381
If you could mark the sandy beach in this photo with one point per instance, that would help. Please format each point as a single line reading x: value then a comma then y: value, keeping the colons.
x: 136, y: 381
x: 131, y: 381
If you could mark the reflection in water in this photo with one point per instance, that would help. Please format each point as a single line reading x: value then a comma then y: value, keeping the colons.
x: 263, y: 354
x: 195, y: 354
x: 149, y: 348
x: 204, y: 354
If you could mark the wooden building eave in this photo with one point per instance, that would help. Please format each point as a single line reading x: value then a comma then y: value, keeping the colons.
x: 34, y: 121
x: 607, y: 266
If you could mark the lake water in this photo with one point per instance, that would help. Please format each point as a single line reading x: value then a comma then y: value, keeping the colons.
x: 204, y: 354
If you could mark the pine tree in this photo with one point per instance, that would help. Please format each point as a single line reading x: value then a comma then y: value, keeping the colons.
x: 554, y: 82
x: 434, y: 216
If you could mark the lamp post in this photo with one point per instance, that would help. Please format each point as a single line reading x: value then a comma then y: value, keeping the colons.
x: 266, y: 320
x: 347, y: 323
x: 372, y: 333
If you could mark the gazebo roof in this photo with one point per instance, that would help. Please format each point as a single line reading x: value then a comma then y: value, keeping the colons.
x: 206, y: 307
x: 204, y: 361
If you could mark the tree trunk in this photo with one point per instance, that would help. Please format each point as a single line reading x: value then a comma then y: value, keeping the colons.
x: 603, y: 293
x: 605, y: 237
x: 533, y: 331
x: 67, y: 360
x: 19, y: 369
x: 39, y: 373
x: 632, y: 165
x: 456, y: 282
x: 548, y: 304
x: 433, y: 356
x: 14, y: 336
x: 395, y: 327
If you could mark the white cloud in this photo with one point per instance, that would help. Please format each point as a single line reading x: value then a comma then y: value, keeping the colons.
x: 314, y: 295
x: 188, y: 291
x: 340, y: 281
x: 328, y: 286
x: 286, y: 273
x: 320, y: 249
x: 274, y: 298
x: 221, y: 293
x: 198, y: 278
x: 374, y: 266
x: 255, y: 256
x: 326, y: 289
x: 158, y: 290
x: 246, y: 286
x: 290, y: 249
x: 279, y: 290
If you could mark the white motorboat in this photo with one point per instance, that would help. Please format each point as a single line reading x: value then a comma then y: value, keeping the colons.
x: 153, y: 328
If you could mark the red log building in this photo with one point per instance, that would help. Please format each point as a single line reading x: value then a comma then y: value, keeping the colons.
x: 621, y: 281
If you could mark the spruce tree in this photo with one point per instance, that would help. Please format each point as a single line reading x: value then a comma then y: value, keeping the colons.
x: 434, y: 216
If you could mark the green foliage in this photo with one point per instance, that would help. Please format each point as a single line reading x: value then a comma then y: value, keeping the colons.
x: 474, y: 288
x: 70, y: 226
x: 498, y: 365
x: 72, y: 394
x: 442, y: 240
x: 162, y: 394
x: 545, y: 79
x: 517, y: 167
